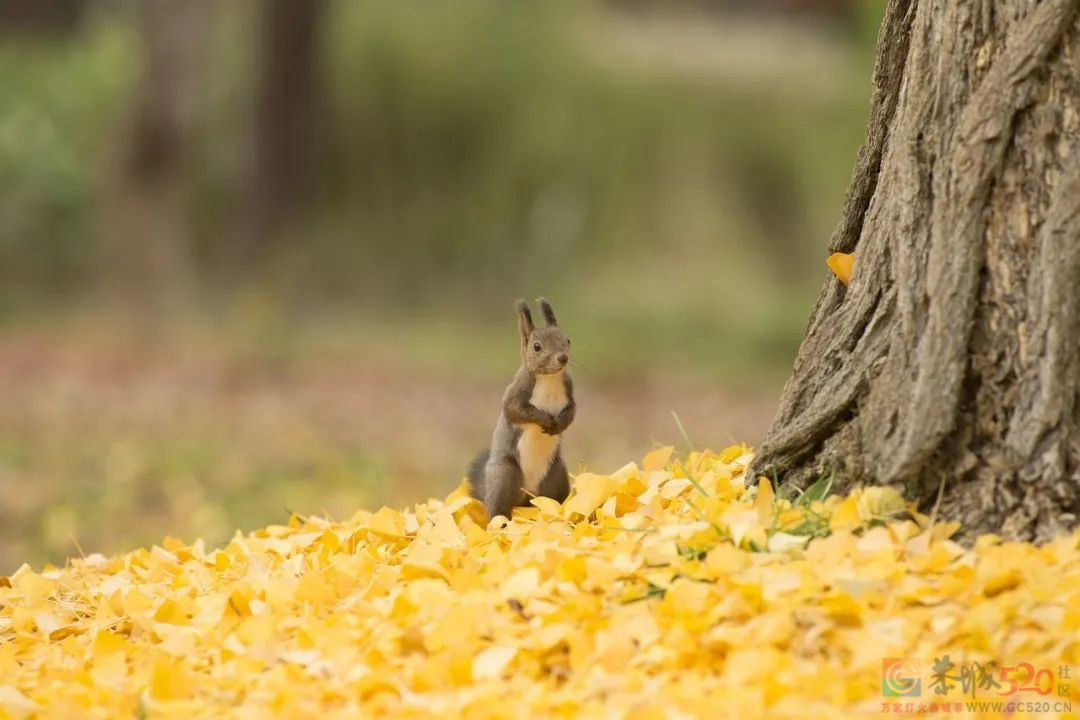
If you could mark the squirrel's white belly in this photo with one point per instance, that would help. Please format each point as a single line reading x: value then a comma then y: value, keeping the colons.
x: 535, y: 447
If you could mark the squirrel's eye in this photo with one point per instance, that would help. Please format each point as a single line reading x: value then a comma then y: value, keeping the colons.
x: 536, y: 347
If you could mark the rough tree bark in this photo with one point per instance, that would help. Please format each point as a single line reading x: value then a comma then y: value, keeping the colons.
x: 951, y: 366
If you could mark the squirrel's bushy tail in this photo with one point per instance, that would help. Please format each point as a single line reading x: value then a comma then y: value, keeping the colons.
x: 476, y: 474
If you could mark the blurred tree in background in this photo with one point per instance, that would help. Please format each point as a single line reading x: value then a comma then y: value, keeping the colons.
x: 145, y: 232
x: 41, y: 15
x: 286, y: 124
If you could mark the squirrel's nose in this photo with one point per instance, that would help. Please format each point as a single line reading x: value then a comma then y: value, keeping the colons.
x: 563, y: 358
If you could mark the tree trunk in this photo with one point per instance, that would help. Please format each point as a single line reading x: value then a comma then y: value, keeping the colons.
x: 950, y: 366
x: 41, y: 15
x: 146, y: 226
x: 285, y: 119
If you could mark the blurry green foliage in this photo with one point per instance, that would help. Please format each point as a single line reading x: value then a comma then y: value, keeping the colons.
x: 483, y: 140
x: 468, y: 149
x: 58, y: 103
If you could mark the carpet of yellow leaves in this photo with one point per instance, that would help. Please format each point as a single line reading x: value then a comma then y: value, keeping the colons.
x: 665, y: 590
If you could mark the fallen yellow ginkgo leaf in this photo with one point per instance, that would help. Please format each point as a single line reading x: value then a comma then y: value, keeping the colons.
x: 490, y: 663
x: 842, y: 265
x: 14, y: 704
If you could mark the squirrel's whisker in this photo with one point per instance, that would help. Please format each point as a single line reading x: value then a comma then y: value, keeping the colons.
x: 579, y: 364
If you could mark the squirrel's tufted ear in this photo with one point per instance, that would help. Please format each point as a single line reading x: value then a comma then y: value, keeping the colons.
x: 549, y: 314
x: 525, y: 321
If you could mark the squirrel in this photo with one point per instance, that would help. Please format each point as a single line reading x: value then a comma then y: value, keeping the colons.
x: 524, y: 458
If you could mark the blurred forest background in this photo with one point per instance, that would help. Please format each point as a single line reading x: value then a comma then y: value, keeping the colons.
x: 260, y: 257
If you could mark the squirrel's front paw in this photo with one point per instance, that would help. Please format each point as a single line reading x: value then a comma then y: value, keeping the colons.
x: 565, y: 418
x: 550, y: 426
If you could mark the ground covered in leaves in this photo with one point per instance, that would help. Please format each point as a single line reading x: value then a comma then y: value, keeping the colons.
x: 667, y: 589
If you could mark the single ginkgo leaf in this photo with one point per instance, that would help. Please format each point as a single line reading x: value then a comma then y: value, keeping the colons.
x: 590, y: 492
x: 842, y: 265
x: 657, y: 459
x: 490, y: 663
x: 14, y: 704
